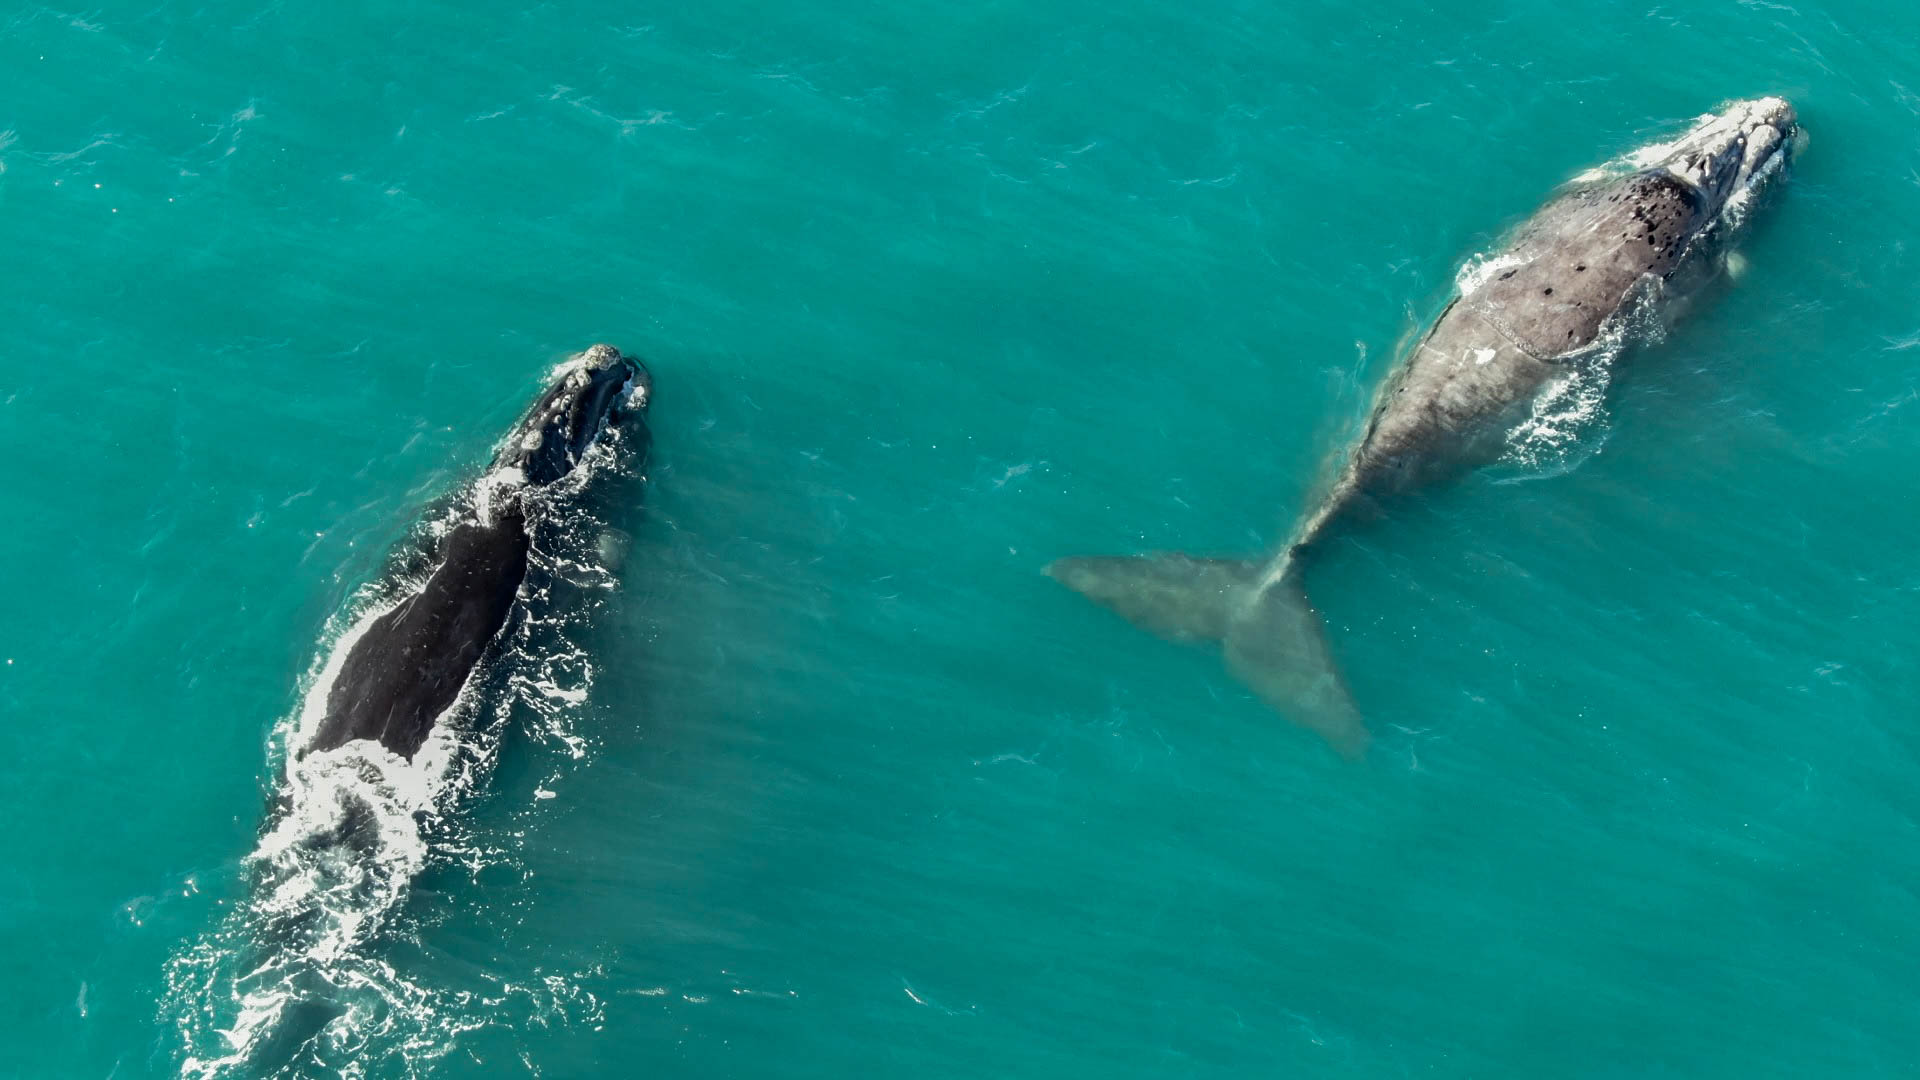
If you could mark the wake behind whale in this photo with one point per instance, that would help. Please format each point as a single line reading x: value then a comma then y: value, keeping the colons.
x: 401, y: 718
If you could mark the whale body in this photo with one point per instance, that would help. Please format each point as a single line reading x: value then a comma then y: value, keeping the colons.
x: 1561, y: 291
x: 295, y: 966
x: 410, y: 664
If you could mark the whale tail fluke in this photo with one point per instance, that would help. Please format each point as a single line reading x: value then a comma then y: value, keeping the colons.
x: 1176, y: 596
x: 1273, y: 639
x: 1277, y: 645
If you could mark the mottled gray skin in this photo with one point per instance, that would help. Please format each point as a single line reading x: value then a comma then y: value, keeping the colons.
x: 1569, y: 272
x: 1558, y: 288
x: 1484, y: 361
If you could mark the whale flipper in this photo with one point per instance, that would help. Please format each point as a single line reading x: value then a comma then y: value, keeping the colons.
x: 1274, y: 640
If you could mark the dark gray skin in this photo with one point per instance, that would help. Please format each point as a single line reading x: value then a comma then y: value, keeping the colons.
x: 411, y: 662
x: 1567, y: 276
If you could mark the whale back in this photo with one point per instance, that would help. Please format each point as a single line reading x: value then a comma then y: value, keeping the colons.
x: 414, y: 660
x: 1578, y: 259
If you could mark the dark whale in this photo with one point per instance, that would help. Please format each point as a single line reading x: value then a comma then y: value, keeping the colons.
x: 411, y: 663
x: 1561, y: 292
x: 367, y: 787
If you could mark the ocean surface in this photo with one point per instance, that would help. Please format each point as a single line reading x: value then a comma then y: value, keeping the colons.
x: 831, y: 781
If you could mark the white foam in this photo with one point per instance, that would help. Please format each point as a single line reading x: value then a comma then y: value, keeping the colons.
x: 1480, y: 269
x: 1565, y: 425
x: 497, y: 485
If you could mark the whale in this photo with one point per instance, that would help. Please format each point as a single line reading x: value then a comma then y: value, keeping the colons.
x: 411, y: 662
x: 1609, y: 254
x: 398, y: 724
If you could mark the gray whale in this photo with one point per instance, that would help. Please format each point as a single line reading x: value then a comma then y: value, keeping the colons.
x: 1562, y: 285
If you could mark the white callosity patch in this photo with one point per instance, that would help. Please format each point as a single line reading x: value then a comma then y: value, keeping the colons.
x: 1762, y: 127
x: 297, y: 959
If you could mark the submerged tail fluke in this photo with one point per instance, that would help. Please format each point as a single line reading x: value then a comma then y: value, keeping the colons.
x: 1274, y: 640
x: 1277, y: 645
x: 1176, y: 596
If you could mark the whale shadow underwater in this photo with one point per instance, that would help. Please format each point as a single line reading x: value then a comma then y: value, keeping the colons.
x: 1610, y: 253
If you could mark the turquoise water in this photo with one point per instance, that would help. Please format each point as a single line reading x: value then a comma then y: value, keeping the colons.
x: 934, y: 294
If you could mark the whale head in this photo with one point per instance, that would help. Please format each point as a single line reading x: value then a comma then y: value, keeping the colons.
x: 588, y: 394
x: 1732, y: 152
